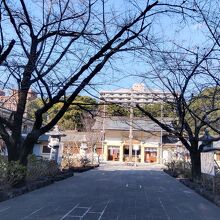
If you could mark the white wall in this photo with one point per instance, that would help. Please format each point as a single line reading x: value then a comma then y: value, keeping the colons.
x: 37, y: 150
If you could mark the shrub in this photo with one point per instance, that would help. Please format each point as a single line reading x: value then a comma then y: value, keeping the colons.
x: 16, y: 173
x: 179, y: 168
x: 3, y: 170
x: 84, y: 161
x: 40, y: 167
x: 75, y: 161
x: 11, y: 173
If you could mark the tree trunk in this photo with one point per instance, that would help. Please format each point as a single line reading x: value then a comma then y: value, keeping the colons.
x: 12, y: 153
x: 21, y: 154
x: 196, y: 164
x: 27, y: 148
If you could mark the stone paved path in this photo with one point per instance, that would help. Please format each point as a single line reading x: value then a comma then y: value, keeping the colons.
x: 112, y: 193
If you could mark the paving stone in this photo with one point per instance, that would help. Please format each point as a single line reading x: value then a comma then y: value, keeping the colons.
x: 112, y: 193
x: 92, y: 216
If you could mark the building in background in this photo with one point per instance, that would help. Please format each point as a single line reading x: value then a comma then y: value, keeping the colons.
x: 75, y: 147
x: 146, y: 137
x: 10, y: 100
x: 8, y: 104
x: 138, y: 94
x: 26, y: 127
x: 137, y: 130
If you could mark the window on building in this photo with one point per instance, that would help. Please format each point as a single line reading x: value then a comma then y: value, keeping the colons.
x: 46, y: 150
x: 25, y: 129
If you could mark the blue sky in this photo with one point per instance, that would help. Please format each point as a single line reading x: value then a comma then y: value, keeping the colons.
x: 170, y: 28
x: 124, y: 71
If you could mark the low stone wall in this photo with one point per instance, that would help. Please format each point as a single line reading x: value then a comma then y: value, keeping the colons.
x: 82, y: 169
x: 209, y: 195
x: 33, y: 185
x: 213, y: 197
x: 42, y: 182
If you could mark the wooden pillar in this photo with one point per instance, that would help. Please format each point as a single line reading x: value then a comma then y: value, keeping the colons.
x: 142, y: 154
x: 105, y: 152
x: 158, y: 155
x: 121, y: 153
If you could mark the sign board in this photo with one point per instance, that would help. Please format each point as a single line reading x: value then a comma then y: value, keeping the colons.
x: 207, y: 163
x: 136, y: 147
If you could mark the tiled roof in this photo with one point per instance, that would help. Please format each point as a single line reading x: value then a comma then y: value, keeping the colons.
x: 123, y: 123
x: 80, y: 136
x: 43, y: 137
x: 71, y: 135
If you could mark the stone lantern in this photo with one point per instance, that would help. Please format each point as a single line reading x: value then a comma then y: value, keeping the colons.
x: 54, y: 143
x: 83, y: 146
x: 207, y: 143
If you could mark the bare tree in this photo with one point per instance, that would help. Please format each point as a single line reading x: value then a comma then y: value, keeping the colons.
x: 60, y: 47
x: 4, y: 50
x: 188, y: 75
x: 191, y: 75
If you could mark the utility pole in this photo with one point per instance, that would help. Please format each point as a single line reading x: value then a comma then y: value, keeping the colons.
x: 131, y: 127
x: 161, y: 134
x: 103, y: 131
